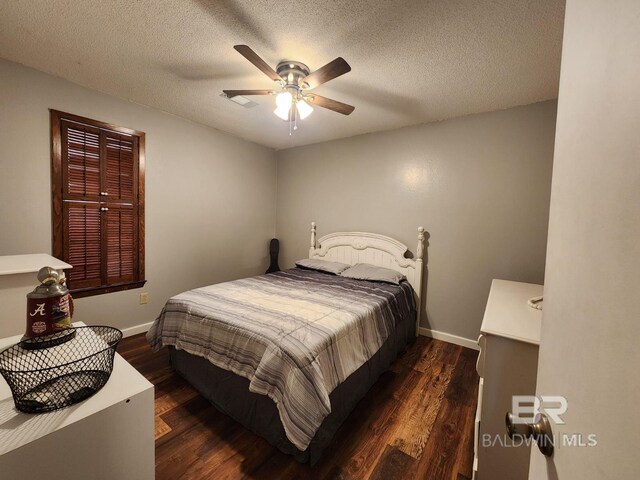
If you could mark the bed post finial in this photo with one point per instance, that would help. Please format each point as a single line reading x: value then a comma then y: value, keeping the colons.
x: 418, y: 285
x: 313, y: 239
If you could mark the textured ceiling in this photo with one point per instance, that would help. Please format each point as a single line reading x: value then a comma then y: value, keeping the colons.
x: 412, y: 61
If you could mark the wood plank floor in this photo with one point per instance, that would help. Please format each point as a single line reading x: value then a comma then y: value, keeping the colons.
x: 416, y: 422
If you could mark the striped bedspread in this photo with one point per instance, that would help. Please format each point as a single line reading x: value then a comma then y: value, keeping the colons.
x: 294, y: 334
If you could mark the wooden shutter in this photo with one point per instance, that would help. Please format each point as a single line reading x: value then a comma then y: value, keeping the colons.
x: 83, y: 243
x: 98, y: 203
x: 120, y: 160
x: 121, y: 244
x: 81, y: 156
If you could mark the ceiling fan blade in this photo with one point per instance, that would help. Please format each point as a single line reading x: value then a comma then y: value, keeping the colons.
x: 235, y: 93
x: 325, y: 102
x: 330, y: 71
x: 253, y: 57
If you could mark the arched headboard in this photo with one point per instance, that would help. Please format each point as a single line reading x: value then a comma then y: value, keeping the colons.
x: 375, y: 249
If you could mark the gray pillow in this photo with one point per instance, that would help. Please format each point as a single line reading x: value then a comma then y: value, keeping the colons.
x: 322, y: 265
x: 364, y: 271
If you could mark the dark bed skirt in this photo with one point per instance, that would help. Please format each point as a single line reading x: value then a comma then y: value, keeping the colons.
x: 230, y: 394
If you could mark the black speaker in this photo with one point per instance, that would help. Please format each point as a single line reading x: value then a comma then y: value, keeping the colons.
x: 274, y: 249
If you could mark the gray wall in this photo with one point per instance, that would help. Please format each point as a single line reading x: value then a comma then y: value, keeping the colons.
x: 480, y: 186
x: 210, y: 197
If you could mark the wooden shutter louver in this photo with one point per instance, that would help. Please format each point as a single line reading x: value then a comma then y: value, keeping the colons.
x: 98, y: 203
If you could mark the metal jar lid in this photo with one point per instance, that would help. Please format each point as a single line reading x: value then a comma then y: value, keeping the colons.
x: 50, y: 286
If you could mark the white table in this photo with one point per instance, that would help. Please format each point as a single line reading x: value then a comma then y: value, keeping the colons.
x: 109, y: 436
x: 14, y: 264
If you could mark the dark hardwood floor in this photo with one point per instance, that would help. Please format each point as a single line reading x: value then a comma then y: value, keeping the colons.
x: 416, y: 422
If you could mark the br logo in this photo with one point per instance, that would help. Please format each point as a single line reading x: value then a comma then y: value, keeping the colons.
x: 526, y: 407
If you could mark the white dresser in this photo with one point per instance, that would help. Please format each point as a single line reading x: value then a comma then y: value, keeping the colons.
x: 507, y: 366
x: 109, y: 436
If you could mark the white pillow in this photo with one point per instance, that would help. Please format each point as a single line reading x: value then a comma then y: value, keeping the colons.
x: 322, y: 265
x: 365, y: 271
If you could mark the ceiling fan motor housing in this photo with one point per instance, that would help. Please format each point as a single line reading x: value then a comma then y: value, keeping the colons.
x: 292, y: 73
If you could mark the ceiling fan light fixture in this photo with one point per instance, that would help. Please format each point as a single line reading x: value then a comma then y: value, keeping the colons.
x: 304, y: 109
x: 282, y: 112
x: 284, y: 100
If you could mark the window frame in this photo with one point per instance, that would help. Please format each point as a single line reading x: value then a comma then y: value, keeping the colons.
x: 57, y: 190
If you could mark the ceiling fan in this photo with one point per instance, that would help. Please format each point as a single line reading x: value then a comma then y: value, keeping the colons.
x: 295, y: 82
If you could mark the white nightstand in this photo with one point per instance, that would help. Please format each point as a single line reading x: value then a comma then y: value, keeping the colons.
x: 507, y: 366
x: 109, y: 436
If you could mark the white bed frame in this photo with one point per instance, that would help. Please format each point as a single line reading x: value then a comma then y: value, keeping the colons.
x: 375, y: 249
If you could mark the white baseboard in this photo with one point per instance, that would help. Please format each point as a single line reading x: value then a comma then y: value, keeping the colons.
x: 447, y: 337
x: 142, y: 328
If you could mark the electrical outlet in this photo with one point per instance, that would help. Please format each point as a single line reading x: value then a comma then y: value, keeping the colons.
x: 144, y: 298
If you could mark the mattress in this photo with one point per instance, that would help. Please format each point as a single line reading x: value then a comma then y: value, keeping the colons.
x: 230, y: 394
x: 295, y: 336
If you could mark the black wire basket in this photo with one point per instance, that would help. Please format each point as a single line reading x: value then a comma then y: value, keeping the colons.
x: 47, y: 379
